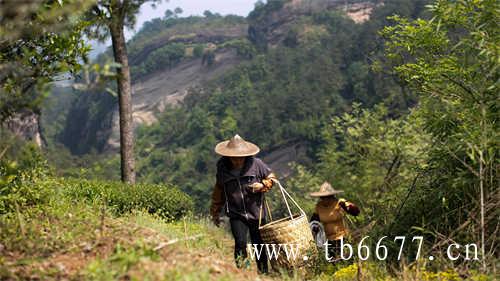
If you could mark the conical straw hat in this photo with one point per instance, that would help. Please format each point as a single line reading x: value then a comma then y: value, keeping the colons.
x: 236, y: 147
x: 325, y: 189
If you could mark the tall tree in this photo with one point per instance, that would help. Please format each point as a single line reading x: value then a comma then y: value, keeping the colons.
x: 110, y: 17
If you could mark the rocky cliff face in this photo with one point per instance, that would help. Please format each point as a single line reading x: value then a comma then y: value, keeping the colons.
x: 169, y: 87
x: 272, y: 26
x: 25, y: 125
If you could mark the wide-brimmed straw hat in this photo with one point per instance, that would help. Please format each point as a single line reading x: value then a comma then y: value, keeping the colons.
x: 325, y: 189
x: 236, y: 147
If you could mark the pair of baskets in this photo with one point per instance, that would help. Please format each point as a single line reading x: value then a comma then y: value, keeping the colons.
x: 292, y: 232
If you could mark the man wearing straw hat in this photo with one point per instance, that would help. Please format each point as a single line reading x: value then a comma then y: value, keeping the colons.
x: 330, y: 212
x: 241, y: 181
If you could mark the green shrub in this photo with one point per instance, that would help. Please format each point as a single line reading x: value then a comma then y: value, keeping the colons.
x: 164, y: 57
x: 19, y: 185
x: 167, y: 201
x: 23, y: 192
x: 27, y: 188
x: 244, y: 48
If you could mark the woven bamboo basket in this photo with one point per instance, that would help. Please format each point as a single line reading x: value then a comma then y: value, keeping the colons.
x: 293, y: 231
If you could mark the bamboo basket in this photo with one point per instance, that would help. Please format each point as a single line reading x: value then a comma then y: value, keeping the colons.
x: 292, y: 230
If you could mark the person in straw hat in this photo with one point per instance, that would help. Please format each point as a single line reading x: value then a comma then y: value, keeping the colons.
x: 241, y: 181
x: 330, y: 212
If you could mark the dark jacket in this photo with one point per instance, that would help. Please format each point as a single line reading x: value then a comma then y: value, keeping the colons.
x: 232, y: 192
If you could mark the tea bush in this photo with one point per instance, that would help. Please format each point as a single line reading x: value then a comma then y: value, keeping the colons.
x: 167, y: 201
x: 21, y: 193
x: 28, y: 189
x: 20, y: 184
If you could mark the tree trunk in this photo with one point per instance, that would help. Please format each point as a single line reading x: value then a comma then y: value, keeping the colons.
x: 124, y: 104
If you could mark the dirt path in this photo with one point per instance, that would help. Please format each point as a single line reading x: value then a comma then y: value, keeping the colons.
x: 122, y: 250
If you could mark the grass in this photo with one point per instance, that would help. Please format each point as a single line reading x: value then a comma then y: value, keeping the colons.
x: 73, y: 239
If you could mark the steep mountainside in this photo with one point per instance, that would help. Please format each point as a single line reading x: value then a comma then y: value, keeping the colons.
x: 169, y: 87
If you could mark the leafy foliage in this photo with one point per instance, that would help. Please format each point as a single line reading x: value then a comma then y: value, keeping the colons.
x: 430, y: 170
x: 22, y: 188
x: 164, y: 200
x: 374, y: 158
x: 35, y: 49
x: 244, y: 47
x: 423, y: 173
x: 21, y: 167
x: 452, y: 63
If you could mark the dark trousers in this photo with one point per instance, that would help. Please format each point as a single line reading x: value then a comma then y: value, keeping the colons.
x: 240, y: 229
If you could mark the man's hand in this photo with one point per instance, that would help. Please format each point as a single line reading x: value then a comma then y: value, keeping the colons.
x: 263, y: 186
x: 342, y: 203
x: 349, y: 207
x: 256, y: 187
x: 269, y: 182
